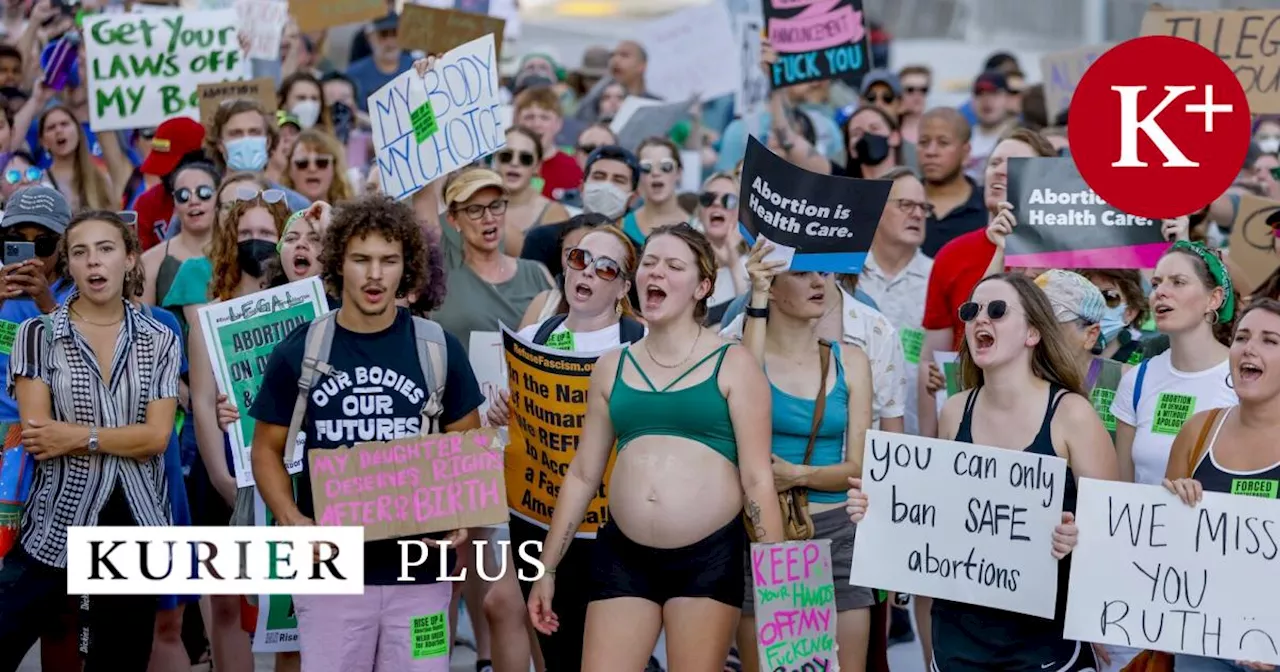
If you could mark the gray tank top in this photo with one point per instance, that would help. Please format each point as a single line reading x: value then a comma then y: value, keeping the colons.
x: 473, y: 304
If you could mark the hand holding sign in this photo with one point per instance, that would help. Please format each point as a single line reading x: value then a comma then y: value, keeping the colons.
x: 1001, y: 225
x: 762, y: 269
x: 856, y: 504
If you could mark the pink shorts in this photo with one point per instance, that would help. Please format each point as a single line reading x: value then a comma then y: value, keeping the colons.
x: 387, y: 629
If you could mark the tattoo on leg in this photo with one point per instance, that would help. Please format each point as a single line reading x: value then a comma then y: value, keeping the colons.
x: 753, y: 514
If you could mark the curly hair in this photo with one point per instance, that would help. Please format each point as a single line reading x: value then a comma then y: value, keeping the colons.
x: 134, y: 279
x: 430, y: 295
x: 323, y: 144
x: 390, y: 219
x: 224, y: 248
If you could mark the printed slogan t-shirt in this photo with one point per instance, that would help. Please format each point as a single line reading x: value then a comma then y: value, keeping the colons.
x: 376, y: 393
x: 1169, y: 398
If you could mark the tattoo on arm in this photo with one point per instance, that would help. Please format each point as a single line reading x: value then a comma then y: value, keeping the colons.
x: 753, y: 514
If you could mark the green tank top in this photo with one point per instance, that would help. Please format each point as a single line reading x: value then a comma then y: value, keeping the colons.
x: 698, y: 412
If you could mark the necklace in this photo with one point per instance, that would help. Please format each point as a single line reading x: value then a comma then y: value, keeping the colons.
x: 86, y: 320
x: 683, y: 361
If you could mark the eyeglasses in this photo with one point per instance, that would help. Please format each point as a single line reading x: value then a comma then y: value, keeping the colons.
x: 882, y: 97
x: 709, y: 198
x: 1112, y: 297
x: 184, y: 195
x: 916, y: 89
x: 995, y: 310
x: 320, y: 162
x: 587, y: 149
x: 526, y: 159
x: 15, y: 176
x: 128, y: 217
x: 579, y: 259
x: 907, y: 205
x: 245, y: 192
x: 663, y: 166
x: 476, y: 211
x: 46, y: 244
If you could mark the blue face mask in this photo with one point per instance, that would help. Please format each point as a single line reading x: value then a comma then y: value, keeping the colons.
x: 1112, y: 322
x: 247, y: 154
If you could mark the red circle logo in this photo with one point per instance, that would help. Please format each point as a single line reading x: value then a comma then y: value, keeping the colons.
x: 1159, y: 127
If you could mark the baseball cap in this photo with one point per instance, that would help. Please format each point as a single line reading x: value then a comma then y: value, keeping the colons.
x: 389, y: 22
x: 1072, y: 296
x: 37, y: 205
x: 284, y: 118
x: 990, y: 82
x: 881, y: 76
x: 174, y: 139
x: 467, y: 183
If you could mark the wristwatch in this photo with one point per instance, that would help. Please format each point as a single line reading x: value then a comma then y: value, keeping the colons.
x: 93, y: 439
x: 762, y: 313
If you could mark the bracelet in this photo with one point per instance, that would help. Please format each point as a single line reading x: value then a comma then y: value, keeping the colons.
x: 761, y: 313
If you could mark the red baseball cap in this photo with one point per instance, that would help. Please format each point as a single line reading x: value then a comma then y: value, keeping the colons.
x: 175, y: 138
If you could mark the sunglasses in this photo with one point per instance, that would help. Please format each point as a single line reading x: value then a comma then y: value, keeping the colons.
x: 883, y: 97
x: 995, y: 310
x: 184, y: 195
x: 1112, y: 297
x: 476, y: 212
x: 587, y: 149
x: 320, y: 162
x: 907, y: 205
x: 510, y: 157
x: 709, y: 198
x: 15, y: 176
x: 916, y: 89
x: 46, y: 244
x: 579, y: 259
x: 248, y: 193
x: 129, y: 217
x: 663, y: 166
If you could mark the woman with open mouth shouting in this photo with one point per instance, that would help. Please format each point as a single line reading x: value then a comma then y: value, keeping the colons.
x: 316, y: 168
x: 1023, y: 392
x: 689, y: 413
x: 74, y: 173
x: 718, y: 214
x: 1233, y: 450
x: 660, y: 174
x: 518, y: 164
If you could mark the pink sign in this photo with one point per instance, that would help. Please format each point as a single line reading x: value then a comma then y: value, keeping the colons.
x: 821, y: 25
x: 795, y: 604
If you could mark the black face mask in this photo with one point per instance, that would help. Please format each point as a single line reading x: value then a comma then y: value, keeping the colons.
x: 253, y: 255
x: 343, y: 119
x: 872, y: 149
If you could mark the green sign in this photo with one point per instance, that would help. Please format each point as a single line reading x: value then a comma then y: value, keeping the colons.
x: 1172, y: 412
x: 912, y: 343
x: 424, y: 122
x: 1254, y: 487
x: 429, y: 636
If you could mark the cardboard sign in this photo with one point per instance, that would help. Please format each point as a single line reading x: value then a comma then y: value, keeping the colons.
x: 795, y: 601
x: 822, y: 222
x: 1062, y: 223
x: 1141, y: 571
x: 960, y: 522
x: 211, y: 96
x: 548, y: 403
x: 1061, y: 72
x: 144, y: 68
x: 690, y: 53
x: 316, y: 15
x: 412, y: 486
x: 462, y: 99
x: 1244, y: 38
x: 435, y: 31
x: 817, y: 40
x: 1252, y: 243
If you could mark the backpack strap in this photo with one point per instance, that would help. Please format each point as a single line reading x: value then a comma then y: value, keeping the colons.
x: 630, y: 330
x: 549, y: 327
x: 315, y: 362
x: 433, y: 357
x: 1202, y: 441
x: 1137, y: 387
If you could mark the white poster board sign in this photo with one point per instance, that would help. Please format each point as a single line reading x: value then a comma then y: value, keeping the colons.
x: 144, y: 68
x: 691, y: 54
x: 1140, y: 573
x: 263, y: 22
x: 754, y: 91
x: 426, y: 127
x: 488, y: 361
x: 960, y: 522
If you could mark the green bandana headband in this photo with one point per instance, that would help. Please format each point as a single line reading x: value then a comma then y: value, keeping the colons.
x: 288, y: 224
x: 1220, y: 276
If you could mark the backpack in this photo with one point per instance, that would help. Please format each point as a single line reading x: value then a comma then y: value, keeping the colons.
x: 432, y: 357
x: 1137, y: 386
x: 629, y: 330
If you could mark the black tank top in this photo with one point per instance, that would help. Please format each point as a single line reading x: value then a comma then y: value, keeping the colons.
x: 1213, y: 478
x: 974, y: 635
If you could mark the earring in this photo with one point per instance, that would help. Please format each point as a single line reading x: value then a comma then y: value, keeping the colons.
x: 1214, y: 314
x: 617, y: 307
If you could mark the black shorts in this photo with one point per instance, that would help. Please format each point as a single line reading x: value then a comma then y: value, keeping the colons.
x: 976, y: 639
x: 711, y: 567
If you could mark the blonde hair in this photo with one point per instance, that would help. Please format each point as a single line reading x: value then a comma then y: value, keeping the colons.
x: 323, y: 144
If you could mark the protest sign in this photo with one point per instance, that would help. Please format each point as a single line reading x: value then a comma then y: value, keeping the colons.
x: 211, y: 96
x: 277, y: 630
x: 795, y: 601
x: 316, y: 15
x: 960, y: 522
x: 547, y: 407
x: 641, y: 118
x: 263, y: 22
x: 485, y: 353
x: 827, y: 222
x: 690, y: 54
x: 949, y: 364
x: 817, y: 40
x: 435, y: 31
x: 1252, y: 244
x: 1244, y: 38
x: 1140, y: 572
x: 1062, y: 70
x: 754, y: 91
x: 1062, y: 223
x: 239, y: 336
x: 144, y: 68
x: 427, y: 127
x: 411, y: 486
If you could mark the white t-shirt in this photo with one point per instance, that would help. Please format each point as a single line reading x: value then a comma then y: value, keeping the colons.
x: 583, y: 341
x: 1169, y: 398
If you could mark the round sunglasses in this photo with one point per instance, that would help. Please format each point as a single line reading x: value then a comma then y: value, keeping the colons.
x: 508, y: 156
x: 996, y: 310
x: 709, y: 198
x: 579, y: 259
x: 663, y: 166
x: 184, y: 195
x: 15, y: 176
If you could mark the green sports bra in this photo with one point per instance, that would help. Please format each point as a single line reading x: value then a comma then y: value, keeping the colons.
x: 698, y: 412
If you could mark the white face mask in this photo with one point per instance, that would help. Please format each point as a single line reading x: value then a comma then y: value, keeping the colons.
x: 1269, y: 144
x: 307, y: 112
x: 605, y: 198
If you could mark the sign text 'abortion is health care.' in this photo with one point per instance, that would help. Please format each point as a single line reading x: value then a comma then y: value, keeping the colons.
x: 1140, y: 572
x: 144, y: 68
x: 425, y: 127
x: 795, y: 602
x: 1062, y: 223
x: 412, y: 486
x: 960, y: 522
x: 816, y: 222
x: 817, y: 40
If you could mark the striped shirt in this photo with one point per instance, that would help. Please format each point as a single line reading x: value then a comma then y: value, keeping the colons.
x: 71, y: 490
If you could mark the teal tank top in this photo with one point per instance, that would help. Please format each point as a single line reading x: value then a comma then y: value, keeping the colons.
x: 793, y: 420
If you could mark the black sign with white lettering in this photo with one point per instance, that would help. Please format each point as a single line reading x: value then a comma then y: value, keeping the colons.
x: 817, y: 40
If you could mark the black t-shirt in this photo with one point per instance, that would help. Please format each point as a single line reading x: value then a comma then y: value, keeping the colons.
x: 969, y: 216
x: 350, y: 407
